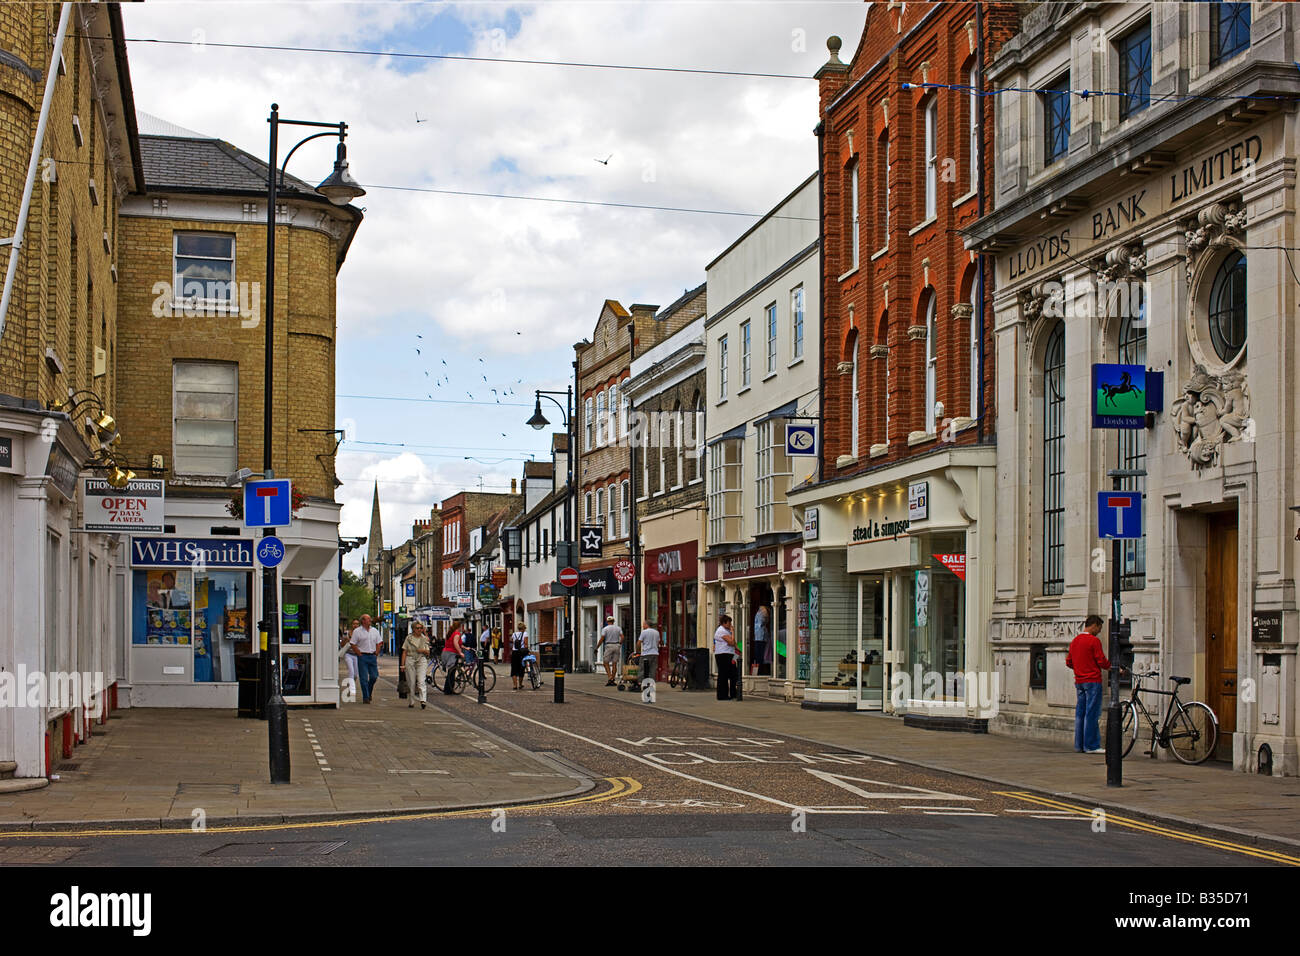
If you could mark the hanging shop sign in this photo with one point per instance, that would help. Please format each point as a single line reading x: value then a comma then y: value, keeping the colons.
x: 62, y: 470
x: 800, y: 440
x: 811, y: 517
x: 137, y: 507
x: 1119, y: 396
x: 918, y: 501
x: 624, y: 570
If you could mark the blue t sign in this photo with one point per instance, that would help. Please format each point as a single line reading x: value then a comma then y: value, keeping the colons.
x: 1119, y: 514
x: 268, y: 504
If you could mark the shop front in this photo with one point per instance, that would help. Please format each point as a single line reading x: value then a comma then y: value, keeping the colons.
x: 897, y: 598
x: 601, y: 595
x: 194, y: 600
x: 672, y: 599
x: 763, y: 589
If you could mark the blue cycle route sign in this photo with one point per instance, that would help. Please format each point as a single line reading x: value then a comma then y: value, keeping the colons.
x: 270, y: 551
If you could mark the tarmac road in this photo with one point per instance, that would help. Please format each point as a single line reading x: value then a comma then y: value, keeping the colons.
x: 680, y: 790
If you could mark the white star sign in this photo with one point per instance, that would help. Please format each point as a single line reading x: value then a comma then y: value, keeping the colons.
x: 592, y: 540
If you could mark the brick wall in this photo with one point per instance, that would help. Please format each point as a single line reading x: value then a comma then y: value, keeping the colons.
x: 303, y: 387
x: 64, y: 296
x: 883, y: 302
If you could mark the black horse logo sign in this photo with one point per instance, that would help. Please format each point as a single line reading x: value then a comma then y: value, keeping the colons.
x: 1125, y: 387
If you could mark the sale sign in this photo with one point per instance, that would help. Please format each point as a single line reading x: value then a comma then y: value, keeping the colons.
x: 137, y: 507
x: 956, y: 563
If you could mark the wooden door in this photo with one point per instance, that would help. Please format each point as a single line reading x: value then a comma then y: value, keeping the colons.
x: 1221, y: 626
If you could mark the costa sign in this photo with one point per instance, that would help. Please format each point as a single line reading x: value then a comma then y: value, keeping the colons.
x: 137, y: 507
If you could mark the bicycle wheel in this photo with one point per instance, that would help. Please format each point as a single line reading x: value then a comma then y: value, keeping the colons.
x: 460, y: 678
x: 489, y: 677
x: 533, y: 677
x: 1129, y: 728
x: 1192, y: 733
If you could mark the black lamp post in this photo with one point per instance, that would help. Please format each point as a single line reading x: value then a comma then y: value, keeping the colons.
x: 538, y: 422
x: 340, y: 189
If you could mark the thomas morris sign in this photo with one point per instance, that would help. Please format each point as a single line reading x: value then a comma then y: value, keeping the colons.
x: 137, y: 507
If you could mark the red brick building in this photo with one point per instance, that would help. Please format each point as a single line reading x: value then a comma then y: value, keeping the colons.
x: 905, y: 145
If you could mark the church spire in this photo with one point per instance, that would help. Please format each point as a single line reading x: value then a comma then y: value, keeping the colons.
x: 375, y: 543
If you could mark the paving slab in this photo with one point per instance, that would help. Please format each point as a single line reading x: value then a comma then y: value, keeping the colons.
x: 155, y: 767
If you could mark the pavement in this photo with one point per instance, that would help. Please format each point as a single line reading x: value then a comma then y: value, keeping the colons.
x: 169, y: 768
x: 1210, y: 796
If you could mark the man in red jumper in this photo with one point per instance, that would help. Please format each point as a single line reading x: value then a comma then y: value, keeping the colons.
x: 1086, y: 659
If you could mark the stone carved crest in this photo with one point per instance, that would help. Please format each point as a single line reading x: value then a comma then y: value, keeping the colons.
x: 1211, y: 227
x: 1032, y: 301
x: 1214, y: 409
x: 1122, y: 262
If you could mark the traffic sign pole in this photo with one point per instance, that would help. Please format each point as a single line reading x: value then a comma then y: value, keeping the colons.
x: 1114, y: 717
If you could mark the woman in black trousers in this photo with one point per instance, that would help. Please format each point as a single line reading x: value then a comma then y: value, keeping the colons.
x: 724, y: 653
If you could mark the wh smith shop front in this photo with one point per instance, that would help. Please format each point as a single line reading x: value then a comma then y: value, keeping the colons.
x: 194, y: 600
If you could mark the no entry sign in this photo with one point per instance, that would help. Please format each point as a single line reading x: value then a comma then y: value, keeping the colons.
x: 569, y: 577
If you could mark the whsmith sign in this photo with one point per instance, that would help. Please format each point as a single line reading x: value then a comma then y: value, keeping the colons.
x: 191, y: 552
x: 1138, y: 206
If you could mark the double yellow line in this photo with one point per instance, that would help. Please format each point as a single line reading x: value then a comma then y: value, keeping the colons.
x: 618, y: 787
x: 1112, y: 818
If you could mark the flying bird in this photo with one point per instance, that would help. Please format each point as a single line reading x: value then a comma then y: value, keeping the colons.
x: 471, y: 397
x: 480, y: 361
x: 605, y: 161
x: 484, y: 378
x: 444, y: 361
x: 417, y: 351
x: 418, y: 120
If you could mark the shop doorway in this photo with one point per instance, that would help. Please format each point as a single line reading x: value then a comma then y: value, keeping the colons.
x: 760, y: 639
x: 1221, y: 626
x: 296, y: 604
x: 873, y: 619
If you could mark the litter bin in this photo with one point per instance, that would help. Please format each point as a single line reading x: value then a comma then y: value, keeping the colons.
x: 550, y: 656
x: 248, y: 672
x: 697, y: 675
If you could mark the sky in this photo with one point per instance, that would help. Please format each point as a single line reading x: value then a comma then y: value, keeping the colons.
x: 493, y: 292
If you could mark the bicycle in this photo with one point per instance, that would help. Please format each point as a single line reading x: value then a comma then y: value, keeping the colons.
x: 465, y: 674
x: 530, y: 671
x: 1190, y: 729
x: 681, y: 671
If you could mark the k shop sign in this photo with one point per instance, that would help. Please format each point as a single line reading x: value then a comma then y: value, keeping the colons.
x: 137, y: 507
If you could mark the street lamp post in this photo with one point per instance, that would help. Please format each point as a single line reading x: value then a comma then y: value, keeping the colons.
x: 538, y: 422
x: 340, y: 189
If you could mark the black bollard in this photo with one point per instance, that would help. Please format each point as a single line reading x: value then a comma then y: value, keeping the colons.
x: 559, y: 686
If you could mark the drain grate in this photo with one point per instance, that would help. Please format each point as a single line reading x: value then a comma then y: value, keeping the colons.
x: 458, y: 753
x: 276, y: 849
x: 207, y: 788
x: 67, y: 767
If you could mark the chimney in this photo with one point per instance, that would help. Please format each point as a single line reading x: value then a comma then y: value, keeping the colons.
x: 514, y: 486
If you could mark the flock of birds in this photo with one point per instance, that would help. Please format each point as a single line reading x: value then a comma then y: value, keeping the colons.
x: 445, y: 379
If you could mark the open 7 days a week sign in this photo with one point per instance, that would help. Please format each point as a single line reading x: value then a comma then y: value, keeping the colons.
x: 137, y: 507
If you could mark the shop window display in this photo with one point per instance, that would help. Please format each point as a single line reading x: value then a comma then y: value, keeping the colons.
x: 206, y: 611
x: 936, y: 612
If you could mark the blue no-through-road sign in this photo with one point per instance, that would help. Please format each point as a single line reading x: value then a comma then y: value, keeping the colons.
x: 270, y: 551
x: 268, y: 503
x: 1119, y: 514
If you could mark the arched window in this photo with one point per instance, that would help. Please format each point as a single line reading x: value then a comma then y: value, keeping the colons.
x: 974, y: 349
x: 931, y: 121
x: 1132, y: 447
x: 1054, y: 461
x: 882, y: 338
x: 854, y: 217
x: 882, y: 153
x: 975, y: 103
x: 931, y: 362
x: 1227, y: 311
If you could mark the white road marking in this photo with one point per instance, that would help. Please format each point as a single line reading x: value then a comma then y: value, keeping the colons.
x: 321, y: 762
x: 956, y: 813
x: 841, y: 780
x: 525, y: 773
x: 420, y: 771
x: 649, y: 763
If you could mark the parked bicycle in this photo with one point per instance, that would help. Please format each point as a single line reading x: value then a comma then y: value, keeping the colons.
x: 680, y: 672
x: 1189, y: 729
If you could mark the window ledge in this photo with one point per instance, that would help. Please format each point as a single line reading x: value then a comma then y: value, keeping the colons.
x: 798, y: 361
x: 845, y: 461
x: 847, y: 274
x: 744, y: 390
x: 878, y: 450
x: 963, y: 423
x: 923, y: 225
x: 920, y: 438
x: 722, y: 401
x: 767, y: 376
x: 879, y: 252
x: 966, y: 198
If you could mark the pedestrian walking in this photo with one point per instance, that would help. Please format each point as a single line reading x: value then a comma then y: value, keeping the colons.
x: 762, y: 638
x: 496, y: 644
x: 608, y: 647
x: 348, y: 655
x: 367, y: 641
x: 724, y: 654
x: 518, y: 650
x: 649, y: 641
x: 1086, y: 659
x: 415, y: 661
x: 452, y: 651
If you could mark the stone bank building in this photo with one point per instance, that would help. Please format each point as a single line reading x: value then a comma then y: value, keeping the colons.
x: 1179, y: 177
